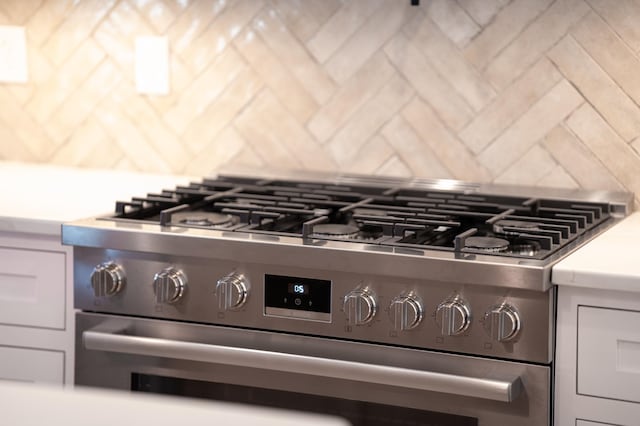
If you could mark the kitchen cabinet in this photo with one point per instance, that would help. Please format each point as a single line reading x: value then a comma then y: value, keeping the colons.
x: 597, y: 365
x: 36, y: 270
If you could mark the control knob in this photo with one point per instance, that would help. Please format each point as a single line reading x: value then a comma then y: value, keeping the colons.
x: 453, y: 316
x: 359, y: 306
x: 502, y: 322
x: 169, y: 285
x: 232, y: 291
x: 406, y: 312
x: 107, y: 279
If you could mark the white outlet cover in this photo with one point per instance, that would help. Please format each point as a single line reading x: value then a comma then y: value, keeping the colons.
x: 13, y: 54
x: 152, y: 65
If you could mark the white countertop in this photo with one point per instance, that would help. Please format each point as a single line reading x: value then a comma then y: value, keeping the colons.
x: 39, y: 198
x: 36, y: 405
x: 611, y: 261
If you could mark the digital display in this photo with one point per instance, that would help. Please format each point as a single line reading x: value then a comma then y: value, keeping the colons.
x: 297, y: 297
x: 298, y: 288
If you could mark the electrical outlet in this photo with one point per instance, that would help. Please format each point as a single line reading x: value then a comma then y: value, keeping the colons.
x: 13, y: 54
x: 152, y: 65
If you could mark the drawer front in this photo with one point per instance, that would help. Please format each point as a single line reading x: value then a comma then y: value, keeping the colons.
x: 31, y: 365
x: 609, y: 353
x: 32, y: 288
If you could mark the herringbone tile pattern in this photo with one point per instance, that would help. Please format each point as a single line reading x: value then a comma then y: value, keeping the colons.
x: 538, y: 92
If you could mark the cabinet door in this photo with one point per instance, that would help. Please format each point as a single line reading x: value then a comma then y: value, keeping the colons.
x: 32, y: 288
x: 31, y: 365
x: 609, y: 353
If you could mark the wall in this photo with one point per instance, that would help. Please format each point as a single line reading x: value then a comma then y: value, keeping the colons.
x: 524, y: 91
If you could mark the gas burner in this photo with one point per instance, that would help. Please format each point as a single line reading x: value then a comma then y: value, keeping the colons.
x: 487, y: 244
x: 525, y: 248
x: 500, y: 227
x: 195, y: 218
x: 371, y: 232
x: 336, y: 230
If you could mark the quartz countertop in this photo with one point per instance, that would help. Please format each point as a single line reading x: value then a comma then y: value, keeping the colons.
x: 34, y: 405
x: 610, y: 261
x: 39, y: 198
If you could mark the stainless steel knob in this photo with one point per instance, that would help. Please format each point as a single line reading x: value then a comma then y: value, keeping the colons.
x: 453, y: 316
x: 232, y: 291
x: 169, y: 285
x: 107, y: 279
x: 406, y: 312
x: 360, y: 306
x: 502, y: 322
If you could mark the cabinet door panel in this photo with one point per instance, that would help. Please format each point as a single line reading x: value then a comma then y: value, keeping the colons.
x: 31, y: 365
x: 32, y: 288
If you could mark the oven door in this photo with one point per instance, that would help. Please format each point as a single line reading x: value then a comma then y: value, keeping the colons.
x: 367, y: 384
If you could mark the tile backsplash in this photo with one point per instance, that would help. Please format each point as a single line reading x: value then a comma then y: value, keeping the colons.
x: 536, y: 92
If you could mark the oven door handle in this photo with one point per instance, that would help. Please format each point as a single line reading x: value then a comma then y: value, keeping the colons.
x: 497, y: 390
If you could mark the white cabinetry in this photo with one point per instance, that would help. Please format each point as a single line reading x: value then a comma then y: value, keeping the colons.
x: 597, y: 357
x: 36, y: 315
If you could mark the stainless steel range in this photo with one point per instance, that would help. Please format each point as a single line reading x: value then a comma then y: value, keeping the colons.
x: 385, y: 301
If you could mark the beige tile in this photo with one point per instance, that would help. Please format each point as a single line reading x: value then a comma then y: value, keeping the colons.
x: 532, y: 126
x: 128, y: 138
x: 178, y: 6
x: 354, y: 93
x: 533, y: 166
x: 371, y: 157
x: 558, y: 178
x: 276, y: 76
x: 150, y: 124
x: 89, y: 146
x: 452, y: 20
x: 62, y: 84
x: 337, y: 30
x: 205, y: 89
x: 599, y: 89
x: 220, y: 33
x: 119, y: 46
x: 505, y: 28
x: 369, y: 38
x: 447, y: 60
x: 456, y: 157
x: 82, y: 102
x: 221, y: 112
x: 415, y: 153
x: 481, y: 11
x: 193, y: 21
x: 449, y: 106
x: 75, y: 29
x: 46, y: 19
x: 305, y: 17
x: 345, y: 145
x: 614, y: 56
x: 4, y: 19
x: 622, y: 15
x: 180, y: 77
x: 216, y: 153
x: 158, y: 13
x: 514, y: 101
x: 19, y: 11
x: 278, y: 137
x: 534, y: 41
x: 394, y: 166
x: 579, y: 162
x: 29, y: 133
x: 247, y: 157
x: 616, y: 155
x: 12, y: 148
x: 293, y: 55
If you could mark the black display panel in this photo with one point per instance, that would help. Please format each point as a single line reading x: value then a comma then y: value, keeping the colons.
x: 297, y: 294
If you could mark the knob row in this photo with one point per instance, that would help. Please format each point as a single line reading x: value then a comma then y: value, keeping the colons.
x: 453, y: 316
x: 169, y: 285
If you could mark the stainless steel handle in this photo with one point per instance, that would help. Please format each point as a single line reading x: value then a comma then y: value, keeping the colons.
x: 497, y: 390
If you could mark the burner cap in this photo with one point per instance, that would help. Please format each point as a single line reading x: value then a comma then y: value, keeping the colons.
x: 499, y: 226
x: 336, y: 230
x: 488, y: 244
x: 192, y: 218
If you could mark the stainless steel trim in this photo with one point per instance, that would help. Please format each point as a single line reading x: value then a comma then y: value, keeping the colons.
x: 497, y: 390
x: 292, y: 313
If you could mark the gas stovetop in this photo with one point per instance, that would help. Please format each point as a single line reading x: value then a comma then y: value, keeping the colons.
x: 463, y: 220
